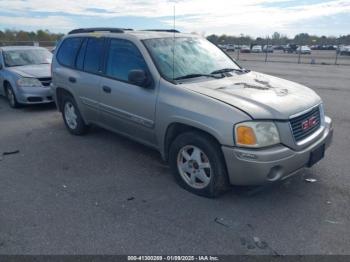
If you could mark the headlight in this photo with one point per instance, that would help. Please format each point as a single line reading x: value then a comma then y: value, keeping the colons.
x: 29, y: 82
x: 256, y: 134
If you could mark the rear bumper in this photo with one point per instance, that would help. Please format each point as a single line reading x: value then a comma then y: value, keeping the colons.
x: 34, y: 95
x: 257, y: 167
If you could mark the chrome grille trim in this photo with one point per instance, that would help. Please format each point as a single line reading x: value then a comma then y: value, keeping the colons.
x: 303, y: 136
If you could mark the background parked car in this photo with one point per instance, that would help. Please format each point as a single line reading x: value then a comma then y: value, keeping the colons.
x: 230, y: 48
x: 222, y: 47
x: 344, y: 50
x: 245, y: 49
x: 256, y: 49
x: 290, y: 48
x: 268, y: 49
x: 278, y: 47
x: 25, y: 75
x: 304, y: 50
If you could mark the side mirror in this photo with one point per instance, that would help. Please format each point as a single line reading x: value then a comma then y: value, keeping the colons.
x: 139, y: 78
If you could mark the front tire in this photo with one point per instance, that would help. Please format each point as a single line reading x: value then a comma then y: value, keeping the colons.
x: 198, y: 165
x: 11, y: 97
x: 72, y: 117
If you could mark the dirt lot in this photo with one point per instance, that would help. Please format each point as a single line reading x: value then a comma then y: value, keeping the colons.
x: 104, y: 194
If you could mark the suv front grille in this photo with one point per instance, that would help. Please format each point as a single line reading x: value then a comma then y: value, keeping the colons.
x: 306, y: 124
x: 46, y: 81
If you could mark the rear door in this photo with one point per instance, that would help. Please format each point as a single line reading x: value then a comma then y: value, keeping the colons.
x: 81, y: 60
x: 127, y: 108
x: 88, y: 80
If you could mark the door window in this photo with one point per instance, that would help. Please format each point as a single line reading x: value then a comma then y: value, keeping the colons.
x: 93, y: 55
x: 123, y: 56
x: 81, y: 55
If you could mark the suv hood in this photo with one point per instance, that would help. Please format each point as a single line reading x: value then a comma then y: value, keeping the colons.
x: 36, y: 71
x: 259, y: 95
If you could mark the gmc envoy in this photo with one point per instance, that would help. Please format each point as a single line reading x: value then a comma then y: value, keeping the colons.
x: 213, y: 121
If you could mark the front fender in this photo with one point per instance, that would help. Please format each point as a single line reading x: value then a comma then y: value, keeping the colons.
x: 183, y: 106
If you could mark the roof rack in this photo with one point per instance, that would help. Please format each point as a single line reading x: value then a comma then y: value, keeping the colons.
x: 163, y: 30
x: 99, y: 29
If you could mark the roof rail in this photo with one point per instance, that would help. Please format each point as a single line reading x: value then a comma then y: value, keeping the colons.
x: 98, y: 29
x: 163, y: 30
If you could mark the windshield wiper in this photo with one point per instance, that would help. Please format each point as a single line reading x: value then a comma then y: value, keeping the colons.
x: 227, y: 70
x: 196, y: 75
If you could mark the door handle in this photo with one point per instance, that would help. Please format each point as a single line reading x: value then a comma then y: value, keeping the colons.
x: 107, y: 89
x: 72, y: 79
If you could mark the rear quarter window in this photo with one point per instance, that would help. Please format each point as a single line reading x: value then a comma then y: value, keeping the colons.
x: 68, y: 51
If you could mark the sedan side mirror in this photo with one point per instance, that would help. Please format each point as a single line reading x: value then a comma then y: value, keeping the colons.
x: 140, y: 78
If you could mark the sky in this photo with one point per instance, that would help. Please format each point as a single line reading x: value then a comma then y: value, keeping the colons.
x: 233, y: 17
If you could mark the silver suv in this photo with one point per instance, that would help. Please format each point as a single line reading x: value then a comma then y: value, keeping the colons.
x: 213, y: 121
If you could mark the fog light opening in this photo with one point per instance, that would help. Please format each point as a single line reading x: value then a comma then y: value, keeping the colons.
x: 275, y: 173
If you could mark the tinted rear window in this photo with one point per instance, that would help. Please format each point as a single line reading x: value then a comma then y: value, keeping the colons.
x: 68, y: 51
x: 93, y: 55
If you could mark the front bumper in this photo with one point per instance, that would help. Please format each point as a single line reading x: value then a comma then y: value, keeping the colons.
x: 260, y: 166
x: 34, y: 95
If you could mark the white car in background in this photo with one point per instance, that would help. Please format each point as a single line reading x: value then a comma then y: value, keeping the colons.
x: 304, y: 50
x: 230, y: 48
x: 344, y: 50
x: 256, y: 49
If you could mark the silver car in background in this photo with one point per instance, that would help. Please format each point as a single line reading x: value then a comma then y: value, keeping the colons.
x: 25, y: 75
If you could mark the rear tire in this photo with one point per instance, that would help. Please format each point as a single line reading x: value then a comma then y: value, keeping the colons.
x: 11, y: 96
x: 198, y: 165
x: 72, y: 117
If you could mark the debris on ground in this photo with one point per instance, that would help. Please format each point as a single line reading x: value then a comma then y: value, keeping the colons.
x: 10, y: 153
x: 310, y: 180
x: 130, y: 198
x: 332, y: 222
x: 220, y: 221
x: 260, y: 244
x: 64, y: 186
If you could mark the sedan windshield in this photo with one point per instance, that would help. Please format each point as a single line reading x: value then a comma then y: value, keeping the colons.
x: 180, y: 58
x: 27, y: 57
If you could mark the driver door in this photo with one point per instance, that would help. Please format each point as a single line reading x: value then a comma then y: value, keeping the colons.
x: 127, y: 108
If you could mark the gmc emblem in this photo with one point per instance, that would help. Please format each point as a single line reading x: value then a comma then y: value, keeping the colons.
x: 312, y: 121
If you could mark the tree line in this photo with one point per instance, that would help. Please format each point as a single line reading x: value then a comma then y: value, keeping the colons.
x: 280, y: 39
x: 275, y: 39
x: 23, y: 36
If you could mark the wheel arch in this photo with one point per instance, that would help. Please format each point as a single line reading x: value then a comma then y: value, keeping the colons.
x: 175, y: 129
x: 60, y: 93
x: 4, y: 86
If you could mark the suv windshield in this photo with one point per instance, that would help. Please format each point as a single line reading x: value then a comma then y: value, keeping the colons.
x: 193, y: 57
x: 27, y: 57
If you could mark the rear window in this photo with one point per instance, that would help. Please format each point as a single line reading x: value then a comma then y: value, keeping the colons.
x: 68, y: 51
x: 93, y: 55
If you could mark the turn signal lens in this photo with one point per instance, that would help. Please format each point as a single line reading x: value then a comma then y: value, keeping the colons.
x: 245, y: 135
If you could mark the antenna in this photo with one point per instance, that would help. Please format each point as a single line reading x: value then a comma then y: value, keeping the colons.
x: 174, y: 47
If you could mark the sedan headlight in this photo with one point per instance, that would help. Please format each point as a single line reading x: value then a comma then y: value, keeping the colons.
x: 29, y: 82
x: 256, y: 134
